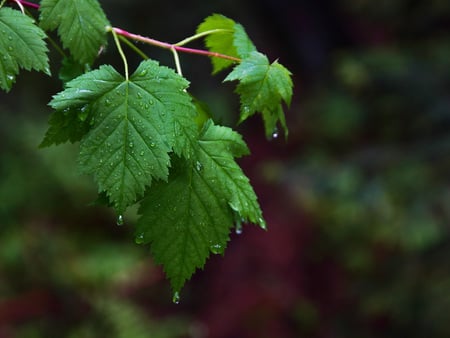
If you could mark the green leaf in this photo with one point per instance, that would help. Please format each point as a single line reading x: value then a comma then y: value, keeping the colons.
x: 70, y: 69
x: 22, y: 45
x: 262, y: 88
x: 65, y: 126
x: 80, y: 23
x: 232, y: 40
x: 189, y: 217
x: 135, y: 123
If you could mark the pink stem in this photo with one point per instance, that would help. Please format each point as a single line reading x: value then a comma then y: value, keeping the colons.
x: 154, y: 42
x: 166, y: 45
x: 27, y: 4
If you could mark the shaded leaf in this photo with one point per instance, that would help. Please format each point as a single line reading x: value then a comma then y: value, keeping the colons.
x: 22, y: 45
x: 80, y: 24
x: 190, y: 216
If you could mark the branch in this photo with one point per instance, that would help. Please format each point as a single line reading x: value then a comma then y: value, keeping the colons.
x: 170, y: 46
x: 26, y: 4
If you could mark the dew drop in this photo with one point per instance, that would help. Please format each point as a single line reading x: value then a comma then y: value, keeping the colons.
x: 151, y: 102
x: 199, y: 166
x: 142, y: 153
x: 107, y: 102
x: 10, y: 37
x: 119, y: 220
x: 143, y: 73
x: 139, y: 95
x: 131, y: 144
x: 152, y: 144
x: 10, y: 48
x: 275, y: 133
x: 139, y: 238
x: 238, y: 229
x: 10, y: 77
x: 176, y: 297
x: 216, y: 249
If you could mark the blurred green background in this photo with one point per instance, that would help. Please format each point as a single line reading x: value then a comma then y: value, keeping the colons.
x: 357, y: 200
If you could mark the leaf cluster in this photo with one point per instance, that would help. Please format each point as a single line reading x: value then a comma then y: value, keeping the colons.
x: 142, y: 136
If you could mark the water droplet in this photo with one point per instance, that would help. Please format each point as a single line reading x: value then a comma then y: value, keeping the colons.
x: 10, y: 37
x: 143, y: 73
x: 10, y: 48
x: 199, y: 166
x: 140, y: 238
x: 152, y: 144
x: 238, y: 229
x: 176, y: 297
x: 151, y: 102
x: 275, y: 133
x: 107, y: 102
x: 216, y: 249
x: 10, y: 77
x: 120, y: 220
x: 139, y: 95
x: 131, y: 144
x: 142, y: 153
x: 262, y: 223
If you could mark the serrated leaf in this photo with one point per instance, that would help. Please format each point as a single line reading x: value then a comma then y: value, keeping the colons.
x: 135, y: 123
x: 263, y: 87
x: 80, y: 23
x: 232, y: 41
x: 189, y: 217
x: 65, y: 126
x: 22, y: 45
x: 70, y: 69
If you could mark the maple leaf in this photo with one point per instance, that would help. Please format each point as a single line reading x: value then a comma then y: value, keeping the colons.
x: 263, y: 87
x: 190, y: 216
x: 22, y: 45
x: 232, y: 40
x: 134, y: 125
x: 80, y: 23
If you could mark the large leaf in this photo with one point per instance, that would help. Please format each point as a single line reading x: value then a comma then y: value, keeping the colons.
x: 135, y: 123
x: 80, y: 23
x: 263, y: 87
x: 22, y: 45
x: 231, y: 40
x: 189, y: 217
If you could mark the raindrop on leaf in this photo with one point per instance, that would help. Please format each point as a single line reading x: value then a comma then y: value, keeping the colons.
x: 139, y: 238
x: 216, y: 249
x: 176, y: 297
x: 238, y: 229
x: 275, y: 133
x: 119, y: 220
x: 199, y: 166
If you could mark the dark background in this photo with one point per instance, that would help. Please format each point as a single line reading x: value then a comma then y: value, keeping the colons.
x: 357, y: 200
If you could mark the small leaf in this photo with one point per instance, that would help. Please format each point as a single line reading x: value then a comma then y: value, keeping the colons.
x: 232, y: 41
x: 65, y: 126
x: 22, y: 45
x: 262, y: 88
x: 70, y: 69
x: 134, y: 125
x: 191, y: 215
x: 80, y: 23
